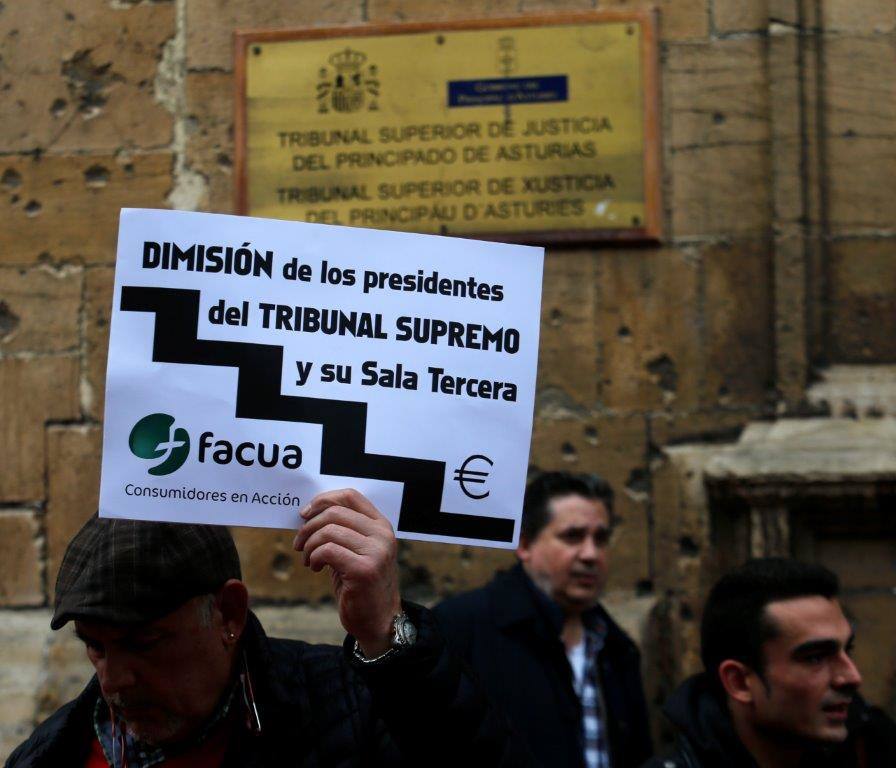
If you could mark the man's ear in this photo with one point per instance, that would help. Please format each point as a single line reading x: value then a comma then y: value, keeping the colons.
x: 735, y: 678
x: 522, y: 549
x: 232, y: 601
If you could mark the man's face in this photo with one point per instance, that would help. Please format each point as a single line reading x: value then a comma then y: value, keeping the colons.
x: 809, y: 675
x: 163, y: 678
x: 568, y: 557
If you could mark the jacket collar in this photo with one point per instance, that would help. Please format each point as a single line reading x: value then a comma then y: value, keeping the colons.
x: 516, y: 600
x: 276, y: 690
x: 703, y: 719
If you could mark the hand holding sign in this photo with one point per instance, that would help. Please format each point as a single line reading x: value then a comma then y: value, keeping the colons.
x: 344, y: 531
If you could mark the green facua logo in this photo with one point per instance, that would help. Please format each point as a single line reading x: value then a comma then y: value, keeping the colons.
x: 154, y: 437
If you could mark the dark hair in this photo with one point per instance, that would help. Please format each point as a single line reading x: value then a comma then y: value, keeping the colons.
x: 734, y: 623
x: 545, y: 486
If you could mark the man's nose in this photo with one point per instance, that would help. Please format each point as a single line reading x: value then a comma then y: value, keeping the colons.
x: 847, y: 674
x: 115, y: 673
x: 589, y: 551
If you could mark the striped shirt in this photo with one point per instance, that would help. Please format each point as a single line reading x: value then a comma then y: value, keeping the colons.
x: 583, y: 659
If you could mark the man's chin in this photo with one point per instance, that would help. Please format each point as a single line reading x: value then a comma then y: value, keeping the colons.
x: 153, y: 732
x: 833, y: 734
x: 582, y: 600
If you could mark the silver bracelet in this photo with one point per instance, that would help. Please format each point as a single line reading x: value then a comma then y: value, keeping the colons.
x: 359, y: 654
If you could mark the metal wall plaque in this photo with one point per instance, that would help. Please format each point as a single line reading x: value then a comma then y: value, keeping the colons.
x: 536, y: 129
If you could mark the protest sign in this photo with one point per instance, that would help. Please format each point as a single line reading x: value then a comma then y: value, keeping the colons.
x: 254, y: 363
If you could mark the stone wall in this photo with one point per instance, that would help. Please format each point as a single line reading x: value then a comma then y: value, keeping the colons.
x: 779, y: 154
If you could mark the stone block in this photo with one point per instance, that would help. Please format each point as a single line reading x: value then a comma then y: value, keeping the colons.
x: 863, y: 306
x: 784, y: 11
x: 210, y: 149
x: 721, y: 190
x: 791, y: 349
x: 61, y: 209
x: 34, y: 391
x: 683, y: 546
x: 614, y: 447
x: 684, y: 444
x: 555, y: 6
x: 23, y: 637
x: 716, y: 426
x: 21, y: 574
x: 567, y: 355
x: 98, y: 287
x: 632, y: 613
x: 25, y: 296
x: 739, y: 16
x: 430, y: 572
x: 679, y: 19
x: 738, y: 317
x: 300, y: 622
x: 273, y: 570
x: 80, y: 76
x: 66, y: 670
x: 392, y: 11
x: 860, y: 85
x: 863, y: 16
x: 863, y: 564
x: 716, y: 93
x: 860, y: 172
x: 649, y: 328
x: 794, y: 132
x: 73, y: 482
x: 211, y: 23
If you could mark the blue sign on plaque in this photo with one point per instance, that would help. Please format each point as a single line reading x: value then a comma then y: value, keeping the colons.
x: 507, y: 90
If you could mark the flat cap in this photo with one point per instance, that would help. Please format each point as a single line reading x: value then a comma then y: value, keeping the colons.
x: 133, y: 571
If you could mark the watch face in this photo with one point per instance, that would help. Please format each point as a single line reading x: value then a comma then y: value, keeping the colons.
x: 404, y: 632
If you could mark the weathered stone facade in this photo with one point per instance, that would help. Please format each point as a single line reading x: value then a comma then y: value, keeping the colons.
x: 777, y: 261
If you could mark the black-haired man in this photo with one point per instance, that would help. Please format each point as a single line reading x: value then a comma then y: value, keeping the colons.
x: 779, y: 686
x: 187, y: 678
x: 565, y: 673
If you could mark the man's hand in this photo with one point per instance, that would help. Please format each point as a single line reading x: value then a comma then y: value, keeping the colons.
x: 344, y: 531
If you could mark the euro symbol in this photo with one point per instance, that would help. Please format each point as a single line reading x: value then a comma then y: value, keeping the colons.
x: 464, y: 475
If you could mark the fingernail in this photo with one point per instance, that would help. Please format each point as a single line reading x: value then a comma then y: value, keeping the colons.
x: 305, y: 510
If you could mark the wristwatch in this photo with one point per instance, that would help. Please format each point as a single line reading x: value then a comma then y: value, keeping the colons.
x: 404, y: 634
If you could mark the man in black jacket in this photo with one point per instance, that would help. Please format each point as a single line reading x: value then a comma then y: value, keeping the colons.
x: 568, y: 677
x: 185, y: 675
x: 779, y: 686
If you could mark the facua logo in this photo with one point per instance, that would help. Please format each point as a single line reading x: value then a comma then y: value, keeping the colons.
x: 223, y: 451
x: 154, y: 437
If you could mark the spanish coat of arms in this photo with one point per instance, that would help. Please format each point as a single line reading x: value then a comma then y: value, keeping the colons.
x: 347, y: 82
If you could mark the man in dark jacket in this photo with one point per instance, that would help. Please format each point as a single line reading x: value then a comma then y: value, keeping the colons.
x: 185, y: 675
x: 779, y: 686
x: 568, y: 677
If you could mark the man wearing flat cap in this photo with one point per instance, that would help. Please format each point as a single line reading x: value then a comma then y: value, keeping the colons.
x: 185, y: 675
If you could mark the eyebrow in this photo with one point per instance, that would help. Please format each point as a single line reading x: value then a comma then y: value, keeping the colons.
x: 826, y: 646
x: 584, y: 529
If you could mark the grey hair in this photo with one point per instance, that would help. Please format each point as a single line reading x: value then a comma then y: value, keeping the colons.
x: 206, y: 609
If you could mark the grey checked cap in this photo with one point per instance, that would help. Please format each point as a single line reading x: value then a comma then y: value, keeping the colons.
x: 132, y: 571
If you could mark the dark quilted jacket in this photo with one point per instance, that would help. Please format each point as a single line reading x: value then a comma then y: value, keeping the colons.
x: 706, y: 738
x: 320, y: 707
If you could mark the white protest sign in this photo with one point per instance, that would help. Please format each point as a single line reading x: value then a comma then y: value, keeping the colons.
x: 254, y: 363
